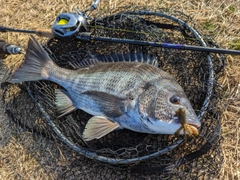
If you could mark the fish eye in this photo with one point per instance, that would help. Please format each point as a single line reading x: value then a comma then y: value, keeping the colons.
x: 175, y: 99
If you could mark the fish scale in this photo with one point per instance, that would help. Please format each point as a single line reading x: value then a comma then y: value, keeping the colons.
x: 122, y: 78
x: 116, y: 80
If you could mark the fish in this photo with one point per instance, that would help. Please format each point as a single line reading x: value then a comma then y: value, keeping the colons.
x: 124, y: 91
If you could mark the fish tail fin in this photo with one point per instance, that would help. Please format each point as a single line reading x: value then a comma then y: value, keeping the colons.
x: 35, y: 65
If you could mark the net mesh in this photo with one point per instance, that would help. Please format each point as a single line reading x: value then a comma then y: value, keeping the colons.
x: 57, y: 142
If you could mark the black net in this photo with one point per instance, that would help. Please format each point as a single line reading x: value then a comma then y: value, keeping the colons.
x: 124, y: 154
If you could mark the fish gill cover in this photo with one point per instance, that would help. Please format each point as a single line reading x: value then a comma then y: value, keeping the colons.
x: 125, y: 154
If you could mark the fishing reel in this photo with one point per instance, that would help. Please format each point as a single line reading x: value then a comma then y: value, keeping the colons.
x: 68, y: 25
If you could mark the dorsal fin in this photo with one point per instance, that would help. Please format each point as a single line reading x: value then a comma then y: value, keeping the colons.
x: 127, y: 57
x: 77, y: 62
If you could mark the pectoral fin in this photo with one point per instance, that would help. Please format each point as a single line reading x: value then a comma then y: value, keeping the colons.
x: 97, y: 127
x: 63, y: 102
x: 110, y: 105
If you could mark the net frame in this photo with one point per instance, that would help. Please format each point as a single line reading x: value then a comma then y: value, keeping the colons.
x: 92, y: 155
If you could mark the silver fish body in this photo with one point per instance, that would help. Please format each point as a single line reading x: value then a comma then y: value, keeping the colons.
x: 132, y: 95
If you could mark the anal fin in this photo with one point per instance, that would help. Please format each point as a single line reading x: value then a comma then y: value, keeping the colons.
x: 97, y: 127
x: 64, y: 104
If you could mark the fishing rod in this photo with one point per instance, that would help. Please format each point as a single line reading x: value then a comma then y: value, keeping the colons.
x: 87, y: 37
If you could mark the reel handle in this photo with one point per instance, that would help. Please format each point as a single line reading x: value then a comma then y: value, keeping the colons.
x: 94, y: 5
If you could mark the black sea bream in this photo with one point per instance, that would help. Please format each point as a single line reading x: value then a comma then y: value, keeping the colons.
x: 133, y: 95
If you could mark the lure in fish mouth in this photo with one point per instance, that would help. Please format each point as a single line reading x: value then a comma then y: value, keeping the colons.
x: 128, y: 91
x: 188, y: 129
